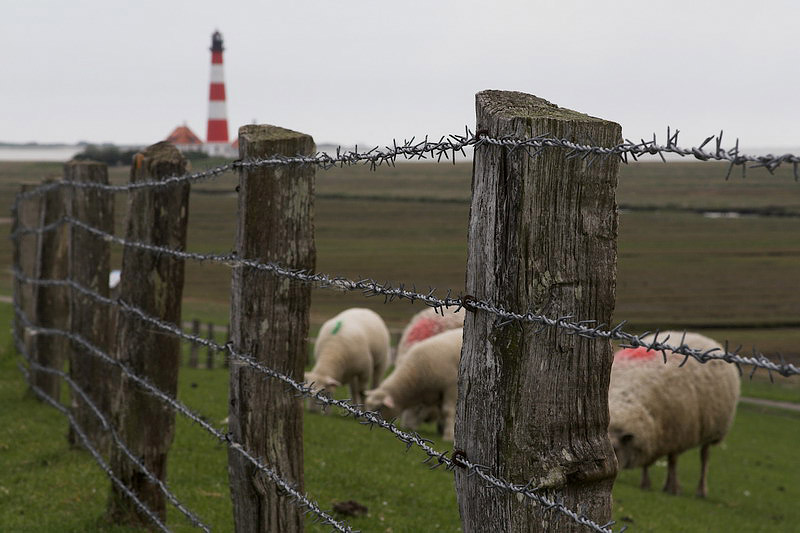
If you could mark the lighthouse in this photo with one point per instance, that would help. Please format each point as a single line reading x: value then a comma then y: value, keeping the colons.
x: 217, y: 134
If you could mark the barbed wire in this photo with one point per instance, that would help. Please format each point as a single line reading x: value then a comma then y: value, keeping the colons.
x: 299, y: 498
x: 370, y: 287
x: 93, y: 451
x: 370, y: 418
x: 193, y: 518
x: 449, y: 146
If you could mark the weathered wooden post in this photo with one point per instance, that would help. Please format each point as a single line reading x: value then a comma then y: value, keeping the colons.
x: 25, y: 215
x: 154, y: 283
x: 89, y: 265
x: 269, y: 321
x: 210, y: 351
x: 533, y: 406
x: 226, y: 356
x: 194, y: 348
x: 51, y: 302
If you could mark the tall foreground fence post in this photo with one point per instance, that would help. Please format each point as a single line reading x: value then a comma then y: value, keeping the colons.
x: 51, y: 303
x: 89, y: 265
x: 269, y: 320
x: 154, y: 283
x: 533, y: 404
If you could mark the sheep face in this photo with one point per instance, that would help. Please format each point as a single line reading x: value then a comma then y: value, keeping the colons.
x: 322, y: 384
x: 627, y: 447
x: 379, y: 400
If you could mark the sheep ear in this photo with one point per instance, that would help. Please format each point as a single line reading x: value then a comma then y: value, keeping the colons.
x: 330, y: 382
x: 627, y: 438
x: 388, y: 401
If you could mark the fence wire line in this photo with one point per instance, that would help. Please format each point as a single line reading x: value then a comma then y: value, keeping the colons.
x: 193, y: 518
x: 449, y: 146
x: 583, y: 328
x: 93, y: 451
x: 299, y: 498
x: 369, y: 418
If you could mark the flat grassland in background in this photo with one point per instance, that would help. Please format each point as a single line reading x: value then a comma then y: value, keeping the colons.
x: 731, y: 278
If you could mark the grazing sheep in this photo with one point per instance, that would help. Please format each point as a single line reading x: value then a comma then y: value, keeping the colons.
x: 351, y: 348
x: 424, y: 324
x: 659, y: 409
x: 428, y: 376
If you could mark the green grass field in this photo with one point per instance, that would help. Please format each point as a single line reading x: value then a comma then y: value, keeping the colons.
x: 732, y: 278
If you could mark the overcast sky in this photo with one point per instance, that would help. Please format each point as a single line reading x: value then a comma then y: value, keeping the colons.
x: 366, y: 72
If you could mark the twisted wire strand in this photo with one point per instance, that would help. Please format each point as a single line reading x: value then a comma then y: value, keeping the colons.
x: 93, y: 451
x: 370, y: 418
x: 448, y: 147
x: 193, y: 518
x: 299, y: 498
x: 583, y: 328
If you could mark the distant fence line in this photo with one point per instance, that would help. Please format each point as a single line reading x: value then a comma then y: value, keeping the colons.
x: 154, y: 183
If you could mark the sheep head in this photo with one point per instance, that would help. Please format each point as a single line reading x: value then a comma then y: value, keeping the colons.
x: 381, y: 401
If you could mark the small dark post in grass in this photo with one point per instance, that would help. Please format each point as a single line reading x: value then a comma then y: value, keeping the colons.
x: 269, y: 321
x: 154, y: 283
x: 533, y: 404
x: 51, y: 303
x: 194, y: 348
x: 210, y: 352
x: 89, y: 265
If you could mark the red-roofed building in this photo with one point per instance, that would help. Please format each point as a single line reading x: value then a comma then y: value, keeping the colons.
x: 185, y: 140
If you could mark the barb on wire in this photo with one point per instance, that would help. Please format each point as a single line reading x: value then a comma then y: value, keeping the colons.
x: 448, y: 147
x: 299, y: 498
x: 95, y: 454
x: 107, y: 426
x: 370, y: 418
x: 369, y: 287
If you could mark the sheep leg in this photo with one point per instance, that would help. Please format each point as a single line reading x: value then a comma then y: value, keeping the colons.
x: 671, y: 485
x: 448, y: 413
x: 645, y: 484
x: 355, y: 390
x: 702, y: 487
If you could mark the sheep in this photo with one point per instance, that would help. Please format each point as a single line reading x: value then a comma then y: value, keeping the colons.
x: 351, y: 348
x: 424, y: 324
x: 428, y: 376
x: 659, y: 409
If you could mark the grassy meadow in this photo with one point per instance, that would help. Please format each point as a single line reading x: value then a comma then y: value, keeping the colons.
x: 730, y: 278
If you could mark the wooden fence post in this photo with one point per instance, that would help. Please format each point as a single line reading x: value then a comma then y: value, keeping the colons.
x: 26, y: 215
x: 226, y: 355
x: 269, y: 320
x: 51, y: 303
x: 154, y: 283
x: 89, y: 265
x: 533, y: 405
x: 194, y: 348
x: 210, y: 352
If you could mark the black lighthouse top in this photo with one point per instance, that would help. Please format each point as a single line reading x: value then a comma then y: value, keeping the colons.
x: 216, y: 42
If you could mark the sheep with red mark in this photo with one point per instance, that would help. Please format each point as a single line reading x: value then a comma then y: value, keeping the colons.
x: 659, y: 409
x: 351, y: 348
x: 424, y: 324
x: 427, y: 376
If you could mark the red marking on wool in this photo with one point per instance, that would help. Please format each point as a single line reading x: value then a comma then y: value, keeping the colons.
x: 422, y: 329
x: 635, y: 353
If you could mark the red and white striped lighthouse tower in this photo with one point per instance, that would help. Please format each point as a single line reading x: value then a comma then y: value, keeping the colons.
x: 217, y: 135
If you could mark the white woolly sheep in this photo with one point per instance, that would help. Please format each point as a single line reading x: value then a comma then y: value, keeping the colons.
x: 659, y: 409
x: 424, y: 324
x: 428, y: 376
x: 351, y: 348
